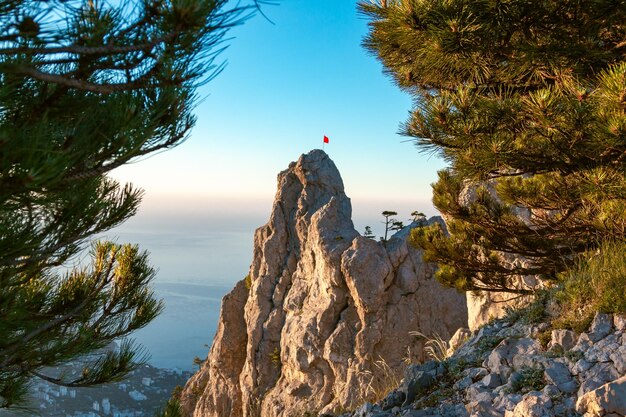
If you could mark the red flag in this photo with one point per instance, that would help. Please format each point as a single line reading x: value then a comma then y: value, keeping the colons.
x: 326, y: 139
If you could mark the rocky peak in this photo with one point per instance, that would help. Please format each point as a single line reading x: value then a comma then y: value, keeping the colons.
x: 322, y: 323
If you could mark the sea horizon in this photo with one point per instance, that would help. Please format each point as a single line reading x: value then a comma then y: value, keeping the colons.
x: 200, y: 253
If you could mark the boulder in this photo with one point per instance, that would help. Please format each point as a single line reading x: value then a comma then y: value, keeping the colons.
x: 607, y: 399
x: 600, y: 326
x: 533, y: 404
x: 515, y: 353
x: 566, y: 339
x: 459, y: 337
x: 557, y: 374
x: 619, y: 359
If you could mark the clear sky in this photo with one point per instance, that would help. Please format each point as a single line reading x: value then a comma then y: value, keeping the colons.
x: 286, y: 84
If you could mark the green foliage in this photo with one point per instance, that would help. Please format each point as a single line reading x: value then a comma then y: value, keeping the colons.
x: 596, y: 283
x: 248, y: 281
x: 544, y: 338
x: 275, y: 358
x: 534, y: 312
x: 529, y: 379
x: 393, y: 225
x: 443, y: 388
x: 525, y: 101
x: 418, y: 217
x: 198, y: 362
x: 52, y: 319
x: 172, y: 407
x: 574, y: 355
x: 488, y: 343
x: 85, y: 87
x: 396, y: 225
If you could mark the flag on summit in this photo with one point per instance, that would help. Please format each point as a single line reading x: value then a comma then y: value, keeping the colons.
x: 326, y: 140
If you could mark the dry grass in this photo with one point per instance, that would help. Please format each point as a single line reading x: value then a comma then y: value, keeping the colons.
x: 381, y: 381
x: 596, y: 284
x: 436, y: 348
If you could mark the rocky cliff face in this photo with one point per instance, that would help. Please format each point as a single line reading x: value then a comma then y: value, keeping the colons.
x: 323, y: 321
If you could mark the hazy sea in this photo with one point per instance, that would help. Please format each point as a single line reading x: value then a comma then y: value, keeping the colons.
x: 198, y: 260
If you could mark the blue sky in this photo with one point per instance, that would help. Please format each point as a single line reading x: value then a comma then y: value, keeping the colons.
x: 286, y: 84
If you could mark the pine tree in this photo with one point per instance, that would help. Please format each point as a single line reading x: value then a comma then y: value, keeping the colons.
x: 390, y: 223
x: 86, y: 86
x: 526, y: 102
x: 418, y: 217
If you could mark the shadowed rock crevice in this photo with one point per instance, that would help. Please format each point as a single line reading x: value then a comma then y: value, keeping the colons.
x: 324, y: 306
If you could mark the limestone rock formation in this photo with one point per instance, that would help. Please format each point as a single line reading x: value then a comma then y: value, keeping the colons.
x: 323, y: 322
x: 503, y: 370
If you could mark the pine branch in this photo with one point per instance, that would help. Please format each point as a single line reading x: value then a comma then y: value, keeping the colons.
x: 104, y: 280
x: 100, y: 50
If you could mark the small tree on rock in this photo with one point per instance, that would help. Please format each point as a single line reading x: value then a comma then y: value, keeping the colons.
x: 368, y: 233
x: 388, y: 223
x: 418, y: 217
x: 391, y: 224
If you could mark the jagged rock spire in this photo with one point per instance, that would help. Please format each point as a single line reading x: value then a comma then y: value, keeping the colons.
x: 322, y: 308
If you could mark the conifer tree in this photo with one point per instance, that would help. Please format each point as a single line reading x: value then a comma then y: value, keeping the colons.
x: 86, y: 86
x: 389, y: 222
x: 526, y: 102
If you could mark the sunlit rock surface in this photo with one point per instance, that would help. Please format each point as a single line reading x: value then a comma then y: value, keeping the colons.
x: 323, y: 322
